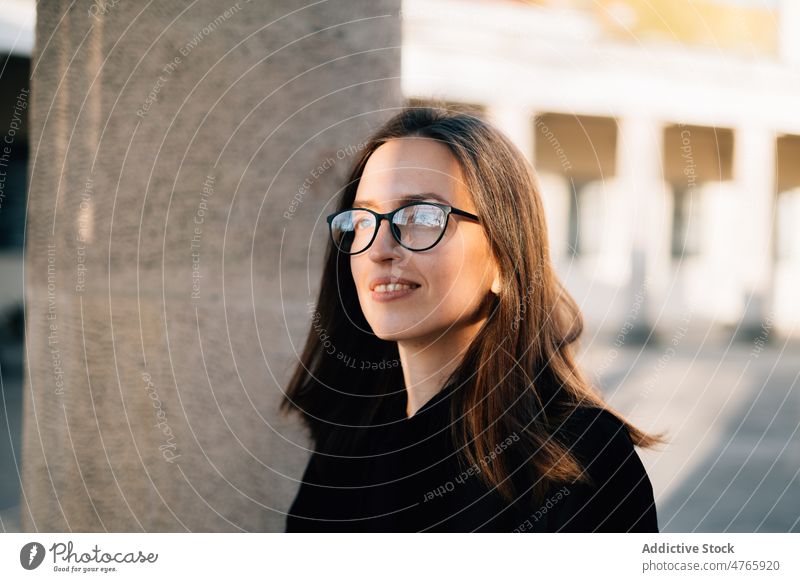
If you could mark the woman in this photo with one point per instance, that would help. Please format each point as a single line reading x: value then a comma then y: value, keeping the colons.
x: 438, y: 381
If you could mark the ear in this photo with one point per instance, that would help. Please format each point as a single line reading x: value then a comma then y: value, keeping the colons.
x: 497, y: 285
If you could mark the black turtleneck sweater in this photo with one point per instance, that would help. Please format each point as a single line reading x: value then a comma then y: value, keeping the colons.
x: 406, y: 477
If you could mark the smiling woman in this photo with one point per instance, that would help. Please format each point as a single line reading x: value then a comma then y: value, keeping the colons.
x: 487, y: 424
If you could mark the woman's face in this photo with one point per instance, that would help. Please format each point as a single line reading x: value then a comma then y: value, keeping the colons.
x: 454, y: 276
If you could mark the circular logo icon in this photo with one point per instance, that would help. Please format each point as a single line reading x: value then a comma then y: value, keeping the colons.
x: 31, y: 555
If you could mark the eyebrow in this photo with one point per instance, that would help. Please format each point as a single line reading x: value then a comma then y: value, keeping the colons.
x: 407, y: 198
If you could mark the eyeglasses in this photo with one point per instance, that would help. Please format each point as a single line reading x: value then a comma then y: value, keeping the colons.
x: 417, y: 226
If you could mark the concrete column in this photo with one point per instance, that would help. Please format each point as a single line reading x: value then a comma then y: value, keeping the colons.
x: 555, y: 193
x: 713, y: 279
x: 787, y: 268
x: 643, y: 216
x: 789, y: 25
x: 516, y: 121
x: 754, y: 175
x: 184, y: 156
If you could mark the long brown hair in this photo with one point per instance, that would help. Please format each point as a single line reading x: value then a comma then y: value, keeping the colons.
x: 519, y: 374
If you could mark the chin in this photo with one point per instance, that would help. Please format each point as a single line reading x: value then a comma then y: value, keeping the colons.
x: 390, y: 335
x: 392, y: 331
x: 408, y: 332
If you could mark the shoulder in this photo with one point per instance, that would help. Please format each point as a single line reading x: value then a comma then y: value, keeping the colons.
x: 618, y: 495
x: 595, y: 434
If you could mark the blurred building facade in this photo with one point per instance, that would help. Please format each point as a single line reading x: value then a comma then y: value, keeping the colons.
x: 665, y: 135
x: 17, y: 21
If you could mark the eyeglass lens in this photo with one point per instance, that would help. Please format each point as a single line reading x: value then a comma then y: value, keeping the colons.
x: 417, y: 227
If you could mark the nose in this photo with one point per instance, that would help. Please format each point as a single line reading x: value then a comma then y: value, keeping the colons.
x: 384, y: 244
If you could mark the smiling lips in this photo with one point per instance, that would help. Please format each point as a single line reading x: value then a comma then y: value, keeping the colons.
x: 388, y: 288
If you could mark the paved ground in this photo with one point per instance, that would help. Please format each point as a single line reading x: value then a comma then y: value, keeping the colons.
x: 733, y: 414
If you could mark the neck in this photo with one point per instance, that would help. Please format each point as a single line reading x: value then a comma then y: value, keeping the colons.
x: 427, y: 364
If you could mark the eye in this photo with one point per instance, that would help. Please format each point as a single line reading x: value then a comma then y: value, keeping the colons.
x: 363, y: 222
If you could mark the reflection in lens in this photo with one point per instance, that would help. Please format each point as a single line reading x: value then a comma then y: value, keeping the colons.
x: 420, y: 226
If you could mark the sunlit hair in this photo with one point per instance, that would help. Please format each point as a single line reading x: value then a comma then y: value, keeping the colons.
x: 519, y: 374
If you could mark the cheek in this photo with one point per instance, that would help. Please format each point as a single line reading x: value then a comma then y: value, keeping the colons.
x: 464, y: 267
x: 358, y: 270
x: 462, y: 288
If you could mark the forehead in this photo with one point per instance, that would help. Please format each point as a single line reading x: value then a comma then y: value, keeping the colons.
x: 405, y: 168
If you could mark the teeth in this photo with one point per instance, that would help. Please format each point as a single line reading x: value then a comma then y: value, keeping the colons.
x: 393, y: 287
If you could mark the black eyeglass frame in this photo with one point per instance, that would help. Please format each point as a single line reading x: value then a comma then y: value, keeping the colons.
x: 389, y: 217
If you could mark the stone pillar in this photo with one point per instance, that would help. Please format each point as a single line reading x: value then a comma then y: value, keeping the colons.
x: 754, y: 175
x: 789, y: 23
x: 184, y: 159
x: 713, y: 280
x: 640, y: 178
x: 516, y: 121
x: 787, y: 266
x: 556, y: 192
